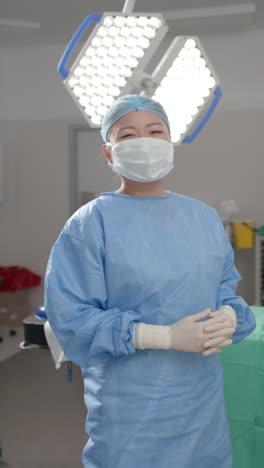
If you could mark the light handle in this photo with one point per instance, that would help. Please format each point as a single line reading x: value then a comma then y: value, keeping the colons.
x: 93, y: 18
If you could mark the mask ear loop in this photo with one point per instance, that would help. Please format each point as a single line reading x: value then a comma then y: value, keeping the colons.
x: 109, y: 145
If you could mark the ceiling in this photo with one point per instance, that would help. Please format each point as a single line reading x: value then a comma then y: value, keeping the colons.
x: 58, y: 19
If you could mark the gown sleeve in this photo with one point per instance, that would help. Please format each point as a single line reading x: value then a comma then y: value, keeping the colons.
x: 226, y: 292
x: 76, y: 300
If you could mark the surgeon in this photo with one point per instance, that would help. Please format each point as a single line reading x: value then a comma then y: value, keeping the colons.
x: 141, y: 294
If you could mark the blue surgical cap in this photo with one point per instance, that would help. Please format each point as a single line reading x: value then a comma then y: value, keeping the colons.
x: 130, y: 103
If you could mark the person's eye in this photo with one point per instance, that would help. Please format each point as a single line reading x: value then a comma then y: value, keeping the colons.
x: 127, y: 135
x: 156, y: 131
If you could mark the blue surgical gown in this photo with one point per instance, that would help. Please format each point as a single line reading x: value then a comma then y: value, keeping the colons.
x: 123, y: 259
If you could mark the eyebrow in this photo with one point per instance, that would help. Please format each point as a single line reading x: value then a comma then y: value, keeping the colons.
x: 148, y: 125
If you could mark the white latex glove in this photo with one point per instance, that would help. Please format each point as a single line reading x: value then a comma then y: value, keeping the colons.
x: 222, y: 319
x: 186, y: 334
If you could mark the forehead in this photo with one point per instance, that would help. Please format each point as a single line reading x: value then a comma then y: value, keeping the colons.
x: 137, y: 119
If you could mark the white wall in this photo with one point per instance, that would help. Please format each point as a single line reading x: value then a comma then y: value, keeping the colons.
x: 37, y: 195
x: 36, y: 111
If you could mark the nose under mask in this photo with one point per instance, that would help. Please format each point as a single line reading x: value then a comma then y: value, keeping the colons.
x: 142, y: 159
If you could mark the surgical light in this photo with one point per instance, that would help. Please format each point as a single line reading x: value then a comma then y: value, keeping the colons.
x: 187, y: 86
x: 113, y: 62
x: 117, y: 46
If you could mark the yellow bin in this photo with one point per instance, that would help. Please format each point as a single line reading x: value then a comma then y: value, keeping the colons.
x: 244, y: 236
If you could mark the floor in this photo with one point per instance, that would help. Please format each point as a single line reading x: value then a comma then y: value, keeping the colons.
x: 9, y: 345
x: 42, y: 415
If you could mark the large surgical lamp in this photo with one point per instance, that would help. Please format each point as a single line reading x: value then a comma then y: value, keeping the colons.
x: 113, y: 60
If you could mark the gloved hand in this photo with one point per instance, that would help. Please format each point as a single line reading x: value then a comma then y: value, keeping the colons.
x: 222, y: 319
x: 189, y: 333
x: 186, y: 334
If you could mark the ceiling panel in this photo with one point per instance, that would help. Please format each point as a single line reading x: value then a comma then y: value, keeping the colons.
x: 60, y: 18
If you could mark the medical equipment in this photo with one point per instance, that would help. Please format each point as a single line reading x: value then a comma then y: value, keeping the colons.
x: 114, y: 60
x: 38, y: 335
x: 142, y: 159
x: 108, y: 62
x: 244, y: 234
x: 34, y: 331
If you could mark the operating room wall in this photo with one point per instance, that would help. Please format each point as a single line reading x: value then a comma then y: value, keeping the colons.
x: 36, y: 193
x: 226, y: 162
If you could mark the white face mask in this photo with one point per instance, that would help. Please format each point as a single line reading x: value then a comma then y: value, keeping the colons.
x: 142, y: 159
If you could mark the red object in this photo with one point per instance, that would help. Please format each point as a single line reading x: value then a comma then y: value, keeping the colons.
x: 15, y: 277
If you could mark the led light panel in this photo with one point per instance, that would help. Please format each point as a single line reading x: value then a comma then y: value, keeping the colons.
x: 103, y: 71
x: 186, y: 84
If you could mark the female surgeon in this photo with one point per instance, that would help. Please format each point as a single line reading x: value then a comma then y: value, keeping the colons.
x: 140, y: 293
